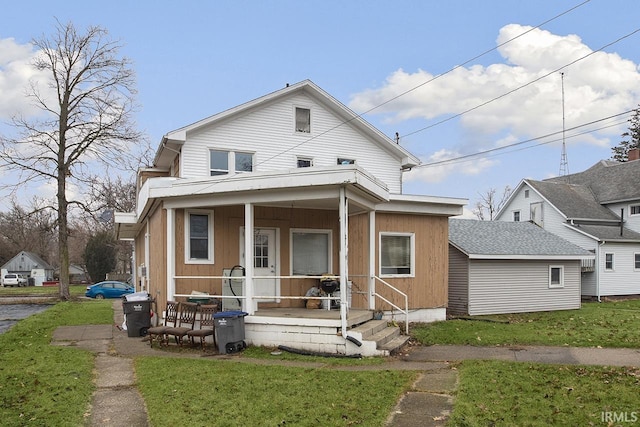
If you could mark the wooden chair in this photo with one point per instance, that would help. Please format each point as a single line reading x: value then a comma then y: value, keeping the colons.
x: 170, y: 319
x: 206, y: 325
x: 186, y: 321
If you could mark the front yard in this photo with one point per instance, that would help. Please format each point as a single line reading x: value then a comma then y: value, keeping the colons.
x: 45, y: 385
x: 608, y: 324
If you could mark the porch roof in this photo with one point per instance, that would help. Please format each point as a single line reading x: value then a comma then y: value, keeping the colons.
x: 313, y: 188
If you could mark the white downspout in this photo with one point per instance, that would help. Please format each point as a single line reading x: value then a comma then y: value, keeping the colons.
x: 344, y: 229
x: 147, y: 257
x: 171, y: 255
x: 248, y: 304
x: 598, y: 270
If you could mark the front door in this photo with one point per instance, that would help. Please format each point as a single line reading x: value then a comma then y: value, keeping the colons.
x: 265, y: 262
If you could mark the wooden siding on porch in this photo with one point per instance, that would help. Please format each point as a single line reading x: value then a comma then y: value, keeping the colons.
x: 428, y: 289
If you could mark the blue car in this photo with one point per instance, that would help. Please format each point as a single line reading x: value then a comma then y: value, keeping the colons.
x: 109, y: 289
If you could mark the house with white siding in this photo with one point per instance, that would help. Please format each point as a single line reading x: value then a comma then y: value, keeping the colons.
x: 597, y: 209
x: 511, y: 267
x: 279, y: 192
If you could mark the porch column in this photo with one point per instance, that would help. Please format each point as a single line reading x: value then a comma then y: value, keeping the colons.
x: 248, y: 305
x: 171, y: 254
x: 344, y: 259
x: 372, y: 260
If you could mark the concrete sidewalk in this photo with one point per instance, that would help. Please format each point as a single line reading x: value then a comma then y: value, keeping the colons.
x: 117, y: 402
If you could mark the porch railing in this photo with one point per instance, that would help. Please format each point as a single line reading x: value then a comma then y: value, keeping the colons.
x: 402, y: 294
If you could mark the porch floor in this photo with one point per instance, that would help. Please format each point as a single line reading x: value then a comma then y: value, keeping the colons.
x: 306, y: 316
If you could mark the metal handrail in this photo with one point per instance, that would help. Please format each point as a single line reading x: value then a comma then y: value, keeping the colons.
x: 406, y: 302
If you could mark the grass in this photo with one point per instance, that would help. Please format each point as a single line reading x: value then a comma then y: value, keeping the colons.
x: 45, y: 385
x: 75, y: 290
x: 607, y: 324
x: 495, y: 393
x: 209, y: 392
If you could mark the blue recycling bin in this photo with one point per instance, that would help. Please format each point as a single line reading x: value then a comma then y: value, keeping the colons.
x: 229, y: 330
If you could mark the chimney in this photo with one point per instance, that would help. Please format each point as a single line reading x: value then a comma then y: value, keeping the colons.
x: 633, y: 154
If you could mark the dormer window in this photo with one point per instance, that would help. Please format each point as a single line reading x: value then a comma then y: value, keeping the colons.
x: 303, y: 120
x: 345, y: 161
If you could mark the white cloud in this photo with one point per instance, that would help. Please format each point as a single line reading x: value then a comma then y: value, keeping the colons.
x: 601, y: 85
x: 437, y: 173
x: 15, y: 73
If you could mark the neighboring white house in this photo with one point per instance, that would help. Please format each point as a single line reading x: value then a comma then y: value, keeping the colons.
x: 598, y: 210
x: 30, y: 265
x: 511, y: 267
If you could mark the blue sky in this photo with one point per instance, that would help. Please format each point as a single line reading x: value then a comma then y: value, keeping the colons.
x: 196, y: 58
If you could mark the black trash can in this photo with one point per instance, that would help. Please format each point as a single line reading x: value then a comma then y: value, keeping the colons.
x: 137, y: 316
x: 229, y: 330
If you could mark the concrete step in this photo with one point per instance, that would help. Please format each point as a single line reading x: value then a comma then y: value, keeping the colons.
x: 370, y: 328
x: 385, y: 335
x: 395, y: 344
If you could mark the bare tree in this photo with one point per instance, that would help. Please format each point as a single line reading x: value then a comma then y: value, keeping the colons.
x: 489, y: 204
x: 85, y: 120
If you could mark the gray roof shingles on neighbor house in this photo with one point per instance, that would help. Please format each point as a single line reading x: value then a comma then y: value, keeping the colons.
x: 504, y: 239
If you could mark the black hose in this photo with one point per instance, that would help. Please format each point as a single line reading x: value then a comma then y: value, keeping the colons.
x: 315, y: 353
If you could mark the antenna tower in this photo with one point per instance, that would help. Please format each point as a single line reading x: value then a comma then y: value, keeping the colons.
x: 564, y: 163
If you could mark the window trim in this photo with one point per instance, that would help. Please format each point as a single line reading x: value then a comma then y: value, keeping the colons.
x: 635, y: 205
x: 636, y: 261
x: 295, y: 120
x: 412, y: 259
x: 187, y: 237
x: 326, y: 231
x: 559, y: 285
x: 514, y: 216
x: 613, y: 264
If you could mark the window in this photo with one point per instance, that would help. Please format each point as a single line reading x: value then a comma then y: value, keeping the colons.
x: 516, y: 216
x: 634, y: 210
x: 310, y: 252
x: 304, y: 162
x: 556, y: 276
x: 343, y: 161
x: 526, y: 194
x: 397, y: 252
x: 244, y: 162
x: 608, y: 261
x: 303, y: 120
x: 219, y: 161
x: 199, y: 237
x: 636, y: 262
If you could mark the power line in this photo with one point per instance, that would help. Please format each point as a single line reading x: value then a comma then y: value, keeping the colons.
x: 515, y: 144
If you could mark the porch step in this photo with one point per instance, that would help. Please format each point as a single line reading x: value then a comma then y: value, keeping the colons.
x: 386, y: 338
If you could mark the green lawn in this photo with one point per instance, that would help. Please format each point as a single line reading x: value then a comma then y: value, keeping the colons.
x: 607, y: 324
x: 75, y: 290
x: 45, y: 385
x: 495, y: 393
x: 197, y: 392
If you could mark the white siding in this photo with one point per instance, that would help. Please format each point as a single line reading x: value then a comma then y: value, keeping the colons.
x: 504, y: 286
x: 632, y: 222
x: 458, y: 281
x: 589, y: 285
x: 623, y: 280
x: 269, y: 133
